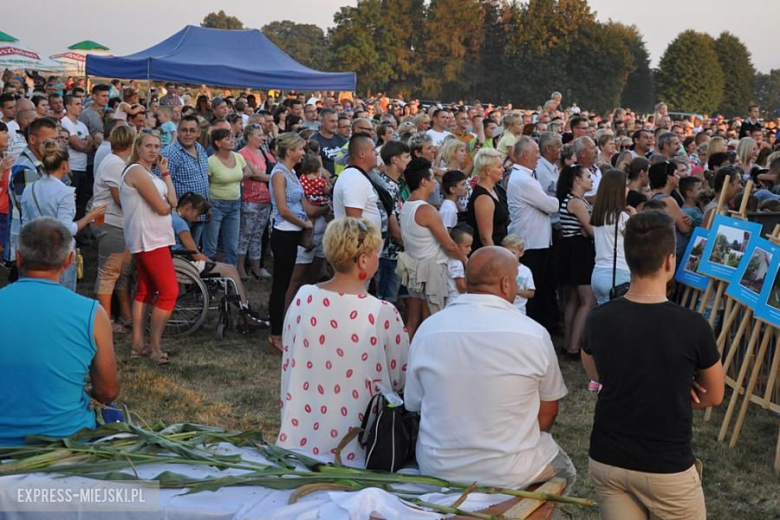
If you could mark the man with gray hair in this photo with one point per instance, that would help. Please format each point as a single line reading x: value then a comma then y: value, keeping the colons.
x: 669, y: 145
x: 54, y: 338
x: 585, y: 150
x: 530, y: 208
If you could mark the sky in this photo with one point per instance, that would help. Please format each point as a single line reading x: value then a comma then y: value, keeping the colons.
x: 56, y: 25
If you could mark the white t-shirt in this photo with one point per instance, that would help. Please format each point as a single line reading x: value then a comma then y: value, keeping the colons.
x: 438, y: 137
x: 478, y: 371
x: 525, y: 282
x: 78, y: 160
x: 109, y: 175
x: 604, y: 238
x: 353, y: 190
x: 455, y: 270
x: 449, y: 213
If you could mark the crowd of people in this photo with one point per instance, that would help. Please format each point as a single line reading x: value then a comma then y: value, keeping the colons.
x: 433, y: 251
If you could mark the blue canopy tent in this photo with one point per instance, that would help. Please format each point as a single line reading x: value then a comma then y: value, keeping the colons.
x: 197, y: 55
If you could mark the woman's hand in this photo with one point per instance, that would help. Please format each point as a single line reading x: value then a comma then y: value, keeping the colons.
x: 162, y: 164
x: 200, y: 257
x: 307, y: 224
x: 6, y: 163
x: 631, y: 210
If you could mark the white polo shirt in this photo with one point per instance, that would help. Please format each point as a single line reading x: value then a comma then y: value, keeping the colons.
x: 477, y: 372
x: 530, y: 209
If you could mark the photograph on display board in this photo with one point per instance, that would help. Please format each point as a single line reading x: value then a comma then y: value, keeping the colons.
x: 688, y: 271
x: 752, y: 273
x: 768, y: 308
x: 727, y: 244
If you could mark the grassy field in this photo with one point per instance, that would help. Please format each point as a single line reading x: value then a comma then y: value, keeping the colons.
x: 234, y: 383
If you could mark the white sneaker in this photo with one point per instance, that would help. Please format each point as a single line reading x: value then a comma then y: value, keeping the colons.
x: 264, y: 273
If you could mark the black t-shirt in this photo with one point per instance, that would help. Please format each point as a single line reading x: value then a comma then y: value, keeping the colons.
x: 329, y: 149
x: 646, y: 356
x: 634, y: 199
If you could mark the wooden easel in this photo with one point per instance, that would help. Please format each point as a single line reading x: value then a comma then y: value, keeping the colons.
x: 765, y: 400
x: 730, y: 307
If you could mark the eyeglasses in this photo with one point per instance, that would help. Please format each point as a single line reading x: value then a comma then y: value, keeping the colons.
x: 188, y: 130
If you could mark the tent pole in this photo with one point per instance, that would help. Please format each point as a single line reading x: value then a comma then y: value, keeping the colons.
x: 148, y: 82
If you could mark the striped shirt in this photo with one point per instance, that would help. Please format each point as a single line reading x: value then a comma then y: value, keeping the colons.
x: 26, y: 170
x: 570, y: 224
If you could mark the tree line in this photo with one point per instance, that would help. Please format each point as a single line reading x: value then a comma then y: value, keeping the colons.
x: 500, y: 51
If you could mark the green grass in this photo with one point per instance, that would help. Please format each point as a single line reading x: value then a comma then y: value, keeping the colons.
x: 234, y: 383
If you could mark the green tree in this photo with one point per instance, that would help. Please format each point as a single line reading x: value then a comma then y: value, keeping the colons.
x: 353, y: 44
x: 639, y: 90
x: 689, y: 77
x: 492, y: 72
x: 306, y: 43
x: 454, y: 37
x: 767, y: 92
x: 399, y: 40
x: 221, y: 21
x: 739, y: 74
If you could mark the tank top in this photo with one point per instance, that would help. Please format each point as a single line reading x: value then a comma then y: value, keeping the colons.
x: 145, y: 230
x: 44, y: 368
x: 419, y: 242
x: 500, y: 215
x: 570, y: 224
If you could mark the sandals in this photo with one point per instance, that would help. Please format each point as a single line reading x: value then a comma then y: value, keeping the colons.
x: 159, y: 358
x: 118, y: 328
x: 275, y: 345
x: 144, y: 353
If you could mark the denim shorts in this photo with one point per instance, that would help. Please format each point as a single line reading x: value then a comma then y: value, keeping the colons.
x: 601, y: 282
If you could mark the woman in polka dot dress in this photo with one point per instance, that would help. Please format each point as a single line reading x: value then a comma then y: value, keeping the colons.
x: 340, y: 344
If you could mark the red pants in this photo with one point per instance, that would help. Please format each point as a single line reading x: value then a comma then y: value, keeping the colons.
x: 156, y: 277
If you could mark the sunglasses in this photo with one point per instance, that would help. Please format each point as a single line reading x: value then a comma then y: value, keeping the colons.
x: 361, y: 236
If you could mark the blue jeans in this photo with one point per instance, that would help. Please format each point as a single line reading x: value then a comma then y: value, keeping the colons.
x: 601, y: 282
x: 69, y: 276
x: 225, y: 220
x: 196, y: 230
x: 389, y: 282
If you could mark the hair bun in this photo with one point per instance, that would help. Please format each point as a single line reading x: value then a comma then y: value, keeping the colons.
x: 50, y: 148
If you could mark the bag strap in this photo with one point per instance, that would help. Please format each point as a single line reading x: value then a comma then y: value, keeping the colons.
x: 614, y: 251
x: 35, y: 199
x: 367, y: 416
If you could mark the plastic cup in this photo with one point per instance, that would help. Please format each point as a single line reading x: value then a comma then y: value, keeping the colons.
x: 100, y: 219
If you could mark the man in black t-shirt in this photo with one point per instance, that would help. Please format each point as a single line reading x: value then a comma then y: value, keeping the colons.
x: 330, y: 142
x: 656, y: 362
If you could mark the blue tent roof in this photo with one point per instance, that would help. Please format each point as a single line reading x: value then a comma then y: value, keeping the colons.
x: 198, y: 55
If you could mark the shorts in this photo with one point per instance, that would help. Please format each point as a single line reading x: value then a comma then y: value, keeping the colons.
x: 307, y: 257
x: 114, y: 259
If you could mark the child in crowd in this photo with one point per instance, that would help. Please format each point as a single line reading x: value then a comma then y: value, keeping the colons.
x: 704, y: 197
x: 690, y: 187
x: 315, y: 186
x: 191, y: 207
x: 524, y: 279
x: 167, y: 126
x: 454, y: 187
x: 463, y: 236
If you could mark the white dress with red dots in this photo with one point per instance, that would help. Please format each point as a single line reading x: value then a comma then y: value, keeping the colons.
x: 337, y: 349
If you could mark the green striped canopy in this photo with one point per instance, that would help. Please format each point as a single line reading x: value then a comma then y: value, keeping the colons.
x: 88, y: 45
x: 5, y: 37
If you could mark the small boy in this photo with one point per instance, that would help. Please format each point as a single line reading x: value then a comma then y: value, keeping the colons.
x: 167, y: 127
x: 463, y: 236
x: 690, y: 187
x: 453, y: 187
x: 525, y: 279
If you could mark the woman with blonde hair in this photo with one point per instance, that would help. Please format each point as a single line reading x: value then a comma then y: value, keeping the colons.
x: 488, y: 210
x: 513, y: 128
x: 607, y: 148
x: 147, y: 201
x: 114, y: 258
x: 337, y: 337
x: 453, y: 155
x: 50, y: 197
x: 290, y: 221
x: 715, y: 145
x: 747, y: 152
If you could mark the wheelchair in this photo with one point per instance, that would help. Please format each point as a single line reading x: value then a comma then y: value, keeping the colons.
x: 200, y: 292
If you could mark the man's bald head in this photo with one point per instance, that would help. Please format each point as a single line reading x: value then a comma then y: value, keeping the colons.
x: 24, y: 104
x: 492, y: 270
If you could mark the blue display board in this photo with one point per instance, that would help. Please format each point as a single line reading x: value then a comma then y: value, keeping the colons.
x: 688, y: 273
x: 768, y: 308
x: 729, y: 240
x: 753, y: 273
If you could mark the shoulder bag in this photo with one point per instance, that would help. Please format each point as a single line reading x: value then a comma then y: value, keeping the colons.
x: 619, y: 290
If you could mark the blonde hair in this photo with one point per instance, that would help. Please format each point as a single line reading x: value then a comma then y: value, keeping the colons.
x: 717, y: 145
x: 286, y: 142
x: 53, y: 155
x: 121, y: 138
x: 745, y: 150
x: 449, y: 148
x: 510, y: 120
x: 483, y: 159
x: 137, y: 144
x: 513, y: 242
x: 345, y: 240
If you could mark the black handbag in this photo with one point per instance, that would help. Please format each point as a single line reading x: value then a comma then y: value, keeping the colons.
x: 390, y: 439
x: 619, y: 290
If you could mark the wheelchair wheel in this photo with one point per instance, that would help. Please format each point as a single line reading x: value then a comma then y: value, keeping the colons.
x: 192, y: 305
